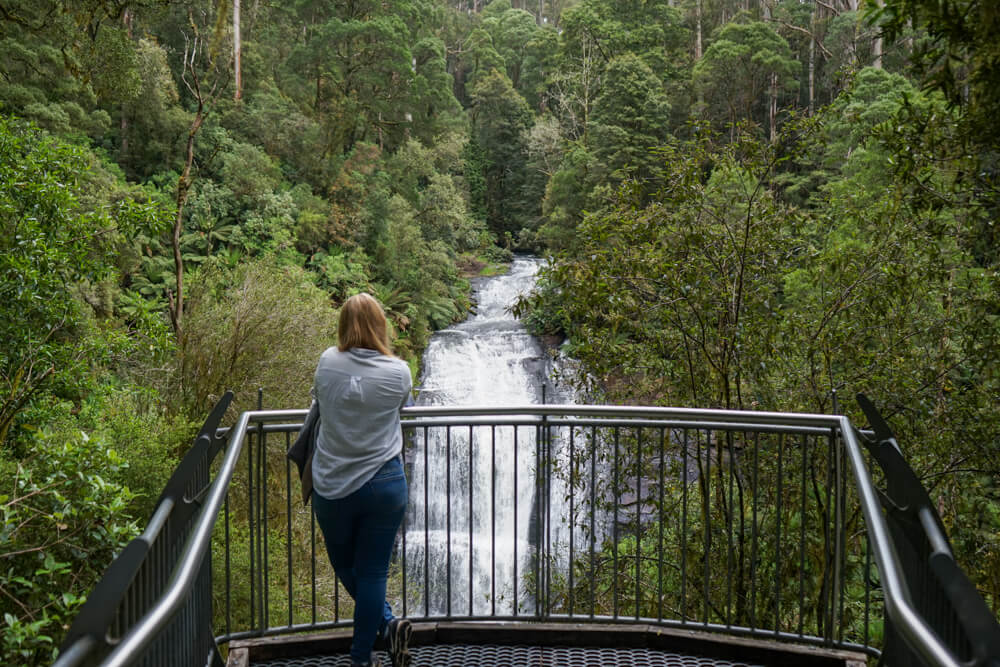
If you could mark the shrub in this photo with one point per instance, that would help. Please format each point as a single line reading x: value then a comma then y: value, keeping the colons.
x: 64, y: 517
x: 261, y: 324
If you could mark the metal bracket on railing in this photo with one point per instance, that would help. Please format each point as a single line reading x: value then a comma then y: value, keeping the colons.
x: 206, y: 446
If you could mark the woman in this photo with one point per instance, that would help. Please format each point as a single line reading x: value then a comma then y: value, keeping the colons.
x: 359, y: 490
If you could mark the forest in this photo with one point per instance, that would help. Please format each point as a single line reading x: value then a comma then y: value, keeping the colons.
x: 748, y: 204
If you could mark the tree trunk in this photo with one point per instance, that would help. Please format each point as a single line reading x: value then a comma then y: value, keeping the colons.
x: 812, y: 64
x: 877, y: 47
x: 774, y: 107
x: 123, y: 153
x: 176, y: 299
x: 697, y: 35
x: 237, y: 46
x: 189, y: 75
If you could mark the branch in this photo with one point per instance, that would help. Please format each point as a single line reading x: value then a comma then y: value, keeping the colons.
x: 27, y: 612
x: 41, y: 547
x: 826, y: 53
x: 833, y: 9
x: 29, y: 495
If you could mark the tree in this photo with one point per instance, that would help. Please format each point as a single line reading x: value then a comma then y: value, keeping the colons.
x: 743, y: 61
x: 500, y: 121
x: 695, y: 263
x: 511, y: 30
x: 360, y: 57
x: 50, y: 241
x: 203, y: 88
x: 959, y: 57
x: 61, y: 63
x: 631, y: 117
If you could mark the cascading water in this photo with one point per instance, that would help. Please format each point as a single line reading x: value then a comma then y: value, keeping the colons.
x: 490, y: 359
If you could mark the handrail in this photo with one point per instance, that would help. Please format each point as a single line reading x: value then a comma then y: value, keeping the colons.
x: 197, y: 544
x: 696, y: 414
x: 897, y: 598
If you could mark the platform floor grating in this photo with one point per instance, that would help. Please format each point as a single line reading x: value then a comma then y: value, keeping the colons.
x: 458, y: 655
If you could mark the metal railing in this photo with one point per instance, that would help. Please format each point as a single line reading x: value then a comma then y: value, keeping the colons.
x: 749, y: 523
x: 939, y: 589
x: 165, y: 567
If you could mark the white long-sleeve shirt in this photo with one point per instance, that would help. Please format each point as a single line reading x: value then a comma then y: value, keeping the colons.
x: 360, y: 393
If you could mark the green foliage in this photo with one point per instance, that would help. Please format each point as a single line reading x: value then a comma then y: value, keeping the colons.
x: 746, y: 302
x: 60, y: 62
x: 262, y: 324
x: 721, y: 548
x: 349, y: 164
x: 361, y: 59
x: 66, y: 513
x: 53, y: 236
x: 961, y: 58
x: 133, y: 422
x: 501, y: 119
x: 743, y: 61
x: 630, y: 117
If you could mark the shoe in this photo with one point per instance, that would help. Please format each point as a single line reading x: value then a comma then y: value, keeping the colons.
x: 398, y: 633
x: 373, y: 662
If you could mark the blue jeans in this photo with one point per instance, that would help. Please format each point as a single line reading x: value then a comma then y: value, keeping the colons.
x: 360, y: 531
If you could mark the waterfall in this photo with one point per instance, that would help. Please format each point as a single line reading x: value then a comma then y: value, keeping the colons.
x: 490, y: 359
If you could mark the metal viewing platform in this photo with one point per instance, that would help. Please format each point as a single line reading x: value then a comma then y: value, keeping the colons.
x: 558, y: 535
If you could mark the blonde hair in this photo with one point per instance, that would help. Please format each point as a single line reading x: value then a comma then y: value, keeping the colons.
x: 362, y: 324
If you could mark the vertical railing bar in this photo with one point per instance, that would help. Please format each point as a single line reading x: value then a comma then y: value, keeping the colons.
x: 266, y: 557
x: 427, y: 535
x: 593, y: 512
x: 842, y: 557
x: 684, y: 526
x: 229, y: 616
x: 802, y: 538
x: 614, y: 531
x: 547, y: 476
x: 288, y: 515
x: 472, y: 514
x: 125, y: 614
x: 251, y: 520
x: 830, y: 519
x: 493, y: 520
x: 538, y: 521
x: 839, y: 530
x: 406, y: 524
x: 638, y: 515
x: 336, y: 597
x: 777, y: 538
x: 572, y: 516
x: 447, y: 495
x: 517, y: 602
x: 261, y: 532
x: 659, y: 543
x: 867, y: 576
x: 754, y: 539
x: 312, y: 558
x: 730, y: 517
x: 707, y: 514
x: 544, y: 510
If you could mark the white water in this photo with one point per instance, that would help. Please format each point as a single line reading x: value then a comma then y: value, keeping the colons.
x: 489, y: 359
